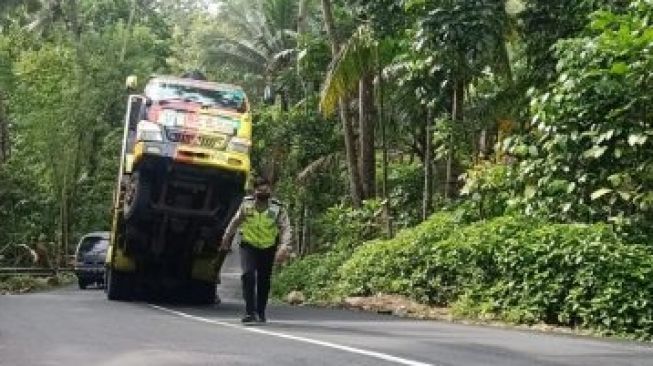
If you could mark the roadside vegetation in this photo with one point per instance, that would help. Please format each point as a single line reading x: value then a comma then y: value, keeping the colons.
x: 490, y: 157
x: 28, y: 284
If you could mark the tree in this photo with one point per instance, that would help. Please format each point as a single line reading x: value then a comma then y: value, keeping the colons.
x: 588, y: 160
x: 464, y: 39
x: 65, y: 96
x: 258, y: 37
x: 544, y: 22
x: 356, y: 191
x: 4, y: 130
x: 351, y: 70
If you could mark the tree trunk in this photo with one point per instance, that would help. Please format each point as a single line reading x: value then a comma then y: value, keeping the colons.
x: 306, y: 239
x: 72, y: 19
x: 482, y: 144
x: 367, y: 132
x: 330, y: 26
x: 302, y: 17
x: 350, y: 151
x: 456, y: 117
x: 428, y: 187
x: 347, y: 129
x: 63, y: 251
x: 382, y: 116
x: 128, y: 31
x: 4, y: 130
x: 299, y: 228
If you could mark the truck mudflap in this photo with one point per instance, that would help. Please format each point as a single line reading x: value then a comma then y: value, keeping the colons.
x: 118, y: 260
x: 208, y: 269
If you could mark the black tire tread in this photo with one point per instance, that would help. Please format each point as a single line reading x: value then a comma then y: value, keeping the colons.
x: 142, y: 197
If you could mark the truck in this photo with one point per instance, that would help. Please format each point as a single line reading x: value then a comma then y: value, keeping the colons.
x: 184, y: 167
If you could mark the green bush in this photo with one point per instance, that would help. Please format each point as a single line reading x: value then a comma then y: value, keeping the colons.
x: 314, y: 275
x: 390, y: 266
x: 23, y: 284
x: 345, y: 227
x: 575, y: 275
x: 515, y: 269
x: 342, y: 229
x: 587, y: 158
x: 488, y: 189
x: 405, y: 191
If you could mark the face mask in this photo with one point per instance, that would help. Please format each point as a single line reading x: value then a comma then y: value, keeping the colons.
x: 262, y: 196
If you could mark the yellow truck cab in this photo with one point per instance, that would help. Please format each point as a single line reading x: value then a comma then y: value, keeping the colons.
x: 184, y: 166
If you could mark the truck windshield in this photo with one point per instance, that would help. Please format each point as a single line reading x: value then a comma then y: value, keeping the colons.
x: 93, y: 244
x: 229, y: 99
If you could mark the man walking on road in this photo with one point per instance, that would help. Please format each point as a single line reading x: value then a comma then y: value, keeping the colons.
x: 265, y: 228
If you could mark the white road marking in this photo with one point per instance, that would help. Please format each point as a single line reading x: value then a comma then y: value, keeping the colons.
x: 379, y: 355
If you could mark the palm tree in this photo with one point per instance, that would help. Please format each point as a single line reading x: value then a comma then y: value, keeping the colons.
x: 347, y: 128
x: 255, y: 36
x: 356, y: 67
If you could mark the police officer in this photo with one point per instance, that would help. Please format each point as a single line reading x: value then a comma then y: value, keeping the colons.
x: 266, y: 235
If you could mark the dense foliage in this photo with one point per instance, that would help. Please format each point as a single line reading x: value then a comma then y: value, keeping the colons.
x: 510, y: 268
x: 525, y: 123
x: 64, y: 94
x: 587, y: 157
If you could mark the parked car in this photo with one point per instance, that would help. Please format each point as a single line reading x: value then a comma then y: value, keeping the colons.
x: 89, y: 258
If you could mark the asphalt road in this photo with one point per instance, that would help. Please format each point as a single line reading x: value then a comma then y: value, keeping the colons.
x: 73, y: 327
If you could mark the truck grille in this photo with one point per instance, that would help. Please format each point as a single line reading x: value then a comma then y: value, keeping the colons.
x: 193, y: 139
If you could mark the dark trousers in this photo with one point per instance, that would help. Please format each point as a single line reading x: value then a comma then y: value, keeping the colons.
x: 256, y: 265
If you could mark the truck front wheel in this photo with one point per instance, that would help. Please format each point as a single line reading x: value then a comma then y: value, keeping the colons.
x: 117, y: 285
x: 202, y: 293
x: 138, y: 192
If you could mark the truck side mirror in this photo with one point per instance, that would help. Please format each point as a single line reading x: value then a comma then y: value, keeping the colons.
x: 131, y: 82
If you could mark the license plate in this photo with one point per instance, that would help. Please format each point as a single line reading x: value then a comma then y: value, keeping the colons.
x: 216, y: 124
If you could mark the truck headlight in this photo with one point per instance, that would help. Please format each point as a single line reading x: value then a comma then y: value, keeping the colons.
x: 149, y: 131
x: 239, y: 145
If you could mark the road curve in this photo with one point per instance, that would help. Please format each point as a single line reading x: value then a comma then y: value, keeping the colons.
x: 74, y: 327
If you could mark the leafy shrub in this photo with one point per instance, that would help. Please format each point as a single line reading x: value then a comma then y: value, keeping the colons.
x: 589, y: 156
x: 390, y: 266
x: 405, y: 190
x: 348, y: 227
x: 577, y: 275
x: 489, y: 188
x: 313, y: 275
x: 512, y: 268
x: 522, y: 270
x: 342, y: 229
x: 23, y: 284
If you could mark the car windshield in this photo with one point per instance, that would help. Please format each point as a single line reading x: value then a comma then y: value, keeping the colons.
x: 232, y: 99
x: 93, y: 244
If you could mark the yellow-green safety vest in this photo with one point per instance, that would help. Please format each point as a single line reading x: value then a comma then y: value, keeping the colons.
x: 260, y: 229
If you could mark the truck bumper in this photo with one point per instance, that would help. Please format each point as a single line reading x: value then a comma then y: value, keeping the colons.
x: 191, y: 155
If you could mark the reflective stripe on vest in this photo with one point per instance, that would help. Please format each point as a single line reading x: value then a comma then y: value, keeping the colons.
x: 260, y: 228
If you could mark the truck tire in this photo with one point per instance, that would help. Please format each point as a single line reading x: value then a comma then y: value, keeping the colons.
x: 138, y: 192
x: 117, y: 285
x: 202, y: 293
